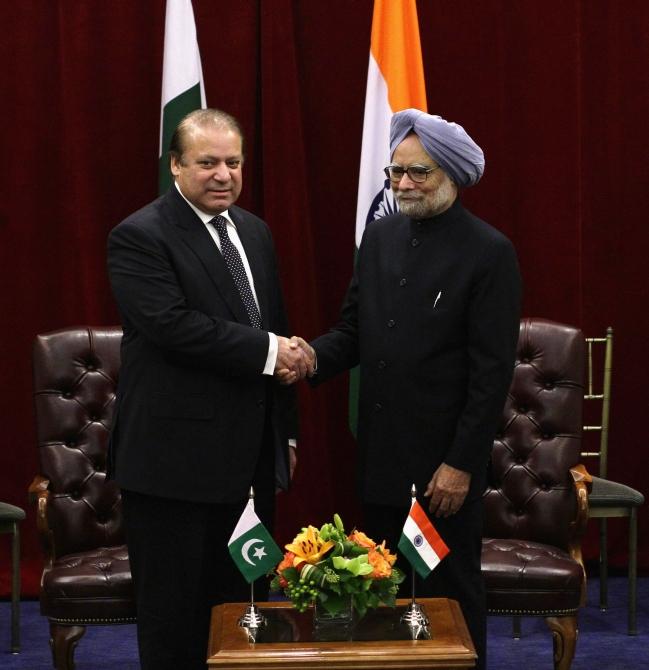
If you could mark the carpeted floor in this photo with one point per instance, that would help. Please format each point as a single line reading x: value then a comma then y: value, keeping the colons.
x: 603, y: 643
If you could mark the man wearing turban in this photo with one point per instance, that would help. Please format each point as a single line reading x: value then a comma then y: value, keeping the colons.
x: 432, y: 315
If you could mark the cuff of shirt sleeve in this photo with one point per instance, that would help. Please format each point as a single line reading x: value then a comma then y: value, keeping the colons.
x: 271, y: 359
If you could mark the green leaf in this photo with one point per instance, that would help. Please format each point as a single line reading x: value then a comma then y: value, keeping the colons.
x: 357, y: 566
x: 357, y: 550
x: 397, y: 575
x: 390, y: 600
x: 291, y: 574
x: 360, y: 605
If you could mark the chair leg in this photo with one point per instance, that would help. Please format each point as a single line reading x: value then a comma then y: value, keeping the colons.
x: 633, y: 571
x: 516, y: 627
x: 564, y: 640
x: 63, y: 641
x: 603, y: 566
x: 15, y: 590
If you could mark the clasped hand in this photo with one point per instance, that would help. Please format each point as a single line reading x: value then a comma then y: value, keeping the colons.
x: 295, y: 360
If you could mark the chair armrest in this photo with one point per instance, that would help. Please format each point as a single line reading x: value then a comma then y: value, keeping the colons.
x: 38, y: 486
x: 583, y: 482
x: 580, y: 474
x: 38, y: 493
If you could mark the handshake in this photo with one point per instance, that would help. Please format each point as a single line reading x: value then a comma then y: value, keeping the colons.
x: 295, y: 360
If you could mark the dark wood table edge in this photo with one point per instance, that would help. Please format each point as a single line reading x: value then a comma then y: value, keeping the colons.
x: 340, y: 656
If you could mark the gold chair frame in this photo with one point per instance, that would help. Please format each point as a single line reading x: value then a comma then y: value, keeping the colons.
x: 625, y: 501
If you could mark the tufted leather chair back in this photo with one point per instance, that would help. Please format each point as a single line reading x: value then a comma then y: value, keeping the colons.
x: 75, y: 376
x: 530, y: 492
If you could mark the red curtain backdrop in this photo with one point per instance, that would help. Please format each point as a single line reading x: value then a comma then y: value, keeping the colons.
x: 556, y: 93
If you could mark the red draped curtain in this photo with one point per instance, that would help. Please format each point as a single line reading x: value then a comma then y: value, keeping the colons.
x: 556, y: 93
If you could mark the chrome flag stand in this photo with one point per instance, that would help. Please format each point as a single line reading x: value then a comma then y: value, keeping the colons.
x: 415, y: 617
x: 252, y: 619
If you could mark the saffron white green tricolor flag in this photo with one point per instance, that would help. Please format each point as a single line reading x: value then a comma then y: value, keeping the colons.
x: 251, y: 546
x: 395, y: 81
x: 420, y: 543
x: 182, y: 78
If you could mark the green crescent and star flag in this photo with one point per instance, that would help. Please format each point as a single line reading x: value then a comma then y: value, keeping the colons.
x: 251, y: 546
x: 420, y: 543
x: 182, y: 78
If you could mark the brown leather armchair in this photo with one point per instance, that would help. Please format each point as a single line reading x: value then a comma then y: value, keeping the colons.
x: 536, y: 504
x: 86, y: 578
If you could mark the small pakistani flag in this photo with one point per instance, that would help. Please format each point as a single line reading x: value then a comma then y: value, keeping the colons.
x: 251, y: 546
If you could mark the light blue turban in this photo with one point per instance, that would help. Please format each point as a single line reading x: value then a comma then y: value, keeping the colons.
x: 446, y: 143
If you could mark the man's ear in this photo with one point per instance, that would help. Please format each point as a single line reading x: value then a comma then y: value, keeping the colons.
x: 174, y: 164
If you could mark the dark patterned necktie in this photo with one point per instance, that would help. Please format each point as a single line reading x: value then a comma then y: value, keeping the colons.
x: 235, y: 265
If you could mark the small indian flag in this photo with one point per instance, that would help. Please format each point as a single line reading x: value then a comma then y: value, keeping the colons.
x: 420, y: 543
x: 251, y: 546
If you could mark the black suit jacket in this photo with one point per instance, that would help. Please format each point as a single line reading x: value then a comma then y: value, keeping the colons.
x: 192, y: 405
x: 432, y: 315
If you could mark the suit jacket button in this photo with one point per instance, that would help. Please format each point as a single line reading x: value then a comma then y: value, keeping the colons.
x: 414, y: 242
x: 403, y: 281
x: 391, y: 323
x: 378, y: 407
x: 381, y: 365
x: 260, y: 403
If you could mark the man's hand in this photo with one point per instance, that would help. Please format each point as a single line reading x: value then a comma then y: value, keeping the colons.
x: 447, y: 490
x: 291, y: 363
x: 288, y: 374
x: 309, y: 352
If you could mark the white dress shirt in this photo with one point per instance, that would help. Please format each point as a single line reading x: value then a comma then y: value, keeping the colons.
x: 273, y: 346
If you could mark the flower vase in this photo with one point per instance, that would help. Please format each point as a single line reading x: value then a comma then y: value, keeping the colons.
x: 330, y: 627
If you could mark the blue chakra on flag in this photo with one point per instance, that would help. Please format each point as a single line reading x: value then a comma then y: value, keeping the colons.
x: 418, y: 540
x: 383, y: 204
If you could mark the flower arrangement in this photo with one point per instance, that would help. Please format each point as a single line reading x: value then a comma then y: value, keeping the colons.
x: 329, y: 567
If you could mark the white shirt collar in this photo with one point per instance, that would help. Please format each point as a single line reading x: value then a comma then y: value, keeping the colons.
x: 203, y: 216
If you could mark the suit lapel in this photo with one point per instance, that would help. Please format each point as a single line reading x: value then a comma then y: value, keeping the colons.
x: 252, y: 245
x: 193, y: 232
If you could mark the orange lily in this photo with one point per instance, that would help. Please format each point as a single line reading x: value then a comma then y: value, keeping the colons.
x: 308, y: 547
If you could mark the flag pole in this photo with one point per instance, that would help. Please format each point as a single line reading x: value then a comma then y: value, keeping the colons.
x: 252, y: 619
x: 412, y: 602
x: 415, y: 617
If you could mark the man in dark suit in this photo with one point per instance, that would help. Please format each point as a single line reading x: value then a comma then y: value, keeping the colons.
x: 199, y: 416
x: 432, y: 315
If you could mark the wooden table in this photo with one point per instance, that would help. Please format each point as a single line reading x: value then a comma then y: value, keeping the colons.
x: 378, y: 641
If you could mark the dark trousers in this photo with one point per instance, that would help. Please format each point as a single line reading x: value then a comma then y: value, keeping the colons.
x: 458, y: 576
x: 181, y: 568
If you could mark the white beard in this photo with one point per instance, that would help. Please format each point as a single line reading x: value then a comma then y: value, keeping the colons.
x: 427, y: 205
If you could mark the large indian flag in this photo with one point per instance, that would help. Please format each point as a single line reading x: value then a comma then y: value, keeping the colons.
x: 395, y: 81
x: 182, y: 78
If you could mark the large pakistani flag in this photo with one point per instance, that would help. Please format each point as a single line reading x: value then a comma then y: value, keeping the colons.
x: 182, y: 77
x: 251, y: 546
x: 420, y: 543
x: 395, y: 81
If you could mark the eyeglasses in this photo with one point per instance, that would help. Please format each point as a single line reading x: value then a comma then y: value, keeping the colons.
x: 417, y: 173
